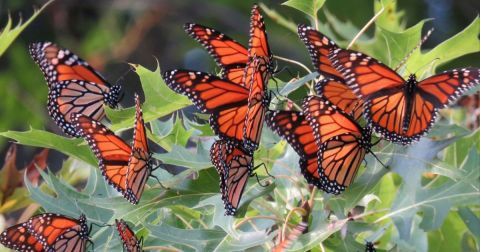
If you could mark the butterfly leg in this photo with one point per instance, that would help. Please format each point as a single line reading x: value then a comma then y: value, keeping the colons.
x: 158, y: 180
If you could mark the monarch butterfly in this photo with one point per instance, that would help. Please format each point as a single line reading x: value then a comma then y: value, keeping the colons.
x: 48, y: 232
x: 332, y: 86
x: 234, y: 166
x: 400, y: 110
x: 130, y: 242
x: 258, y: 71
x: 249, y: 69
x: 342, y: 143
x: 293, y: 126
x: 74, y: 86
x: 291, y: 238
x: 125, y: 168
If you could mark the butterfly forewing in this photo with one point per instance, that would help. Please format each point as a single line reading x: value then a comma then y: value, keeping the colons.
x: 293, y: 127
x: 111, y: 151
x: 226, y: 101
x: 339, y: 94
x: 59, y: 64
x: 230, y: 55
x: 319, y: 47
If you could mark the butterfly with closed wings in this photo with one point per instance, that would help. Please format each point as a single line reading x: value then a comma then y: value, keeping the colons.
x: 74, y: 86
x: 125, y: 168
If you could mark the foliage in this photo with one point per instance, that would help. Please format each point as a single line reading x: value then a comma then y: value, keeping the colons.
x: 430, y: 189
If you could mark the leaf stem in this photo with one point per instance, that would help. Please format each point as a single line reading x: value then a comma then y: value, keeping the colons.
x: 370, y: 22
x: 161, y: 248
x: 293, y: 62
x: 243, y: 221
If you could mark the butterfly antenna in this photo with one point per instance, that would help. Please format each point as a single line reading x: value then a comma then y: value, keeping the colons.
x: 122, y: 77
x: 414, y: 49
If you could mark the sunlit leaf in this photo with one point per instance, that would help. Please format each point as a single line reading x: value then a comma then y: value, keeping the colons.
x: 9, y: 33
x: 160, y: 100
x: 309, y: 7
x: 69, y: 146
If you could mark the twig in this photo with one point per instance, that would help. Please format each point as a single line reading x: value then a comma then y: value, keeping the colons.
x: 293, y: 62
x: 370, y: 22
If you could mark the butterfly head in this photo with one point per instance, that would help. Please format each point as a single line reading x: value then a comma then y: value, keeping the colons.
x: 411, y: 83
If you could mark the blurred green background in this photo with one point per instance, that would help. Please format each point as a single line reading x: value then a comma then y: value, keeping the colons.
x: 110, y: 33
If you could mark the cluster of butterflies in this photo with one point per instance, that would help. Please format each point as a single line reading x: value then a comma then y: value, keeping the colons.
x: 55, y: 232
x: 76, y: 98
x: 327, y: 133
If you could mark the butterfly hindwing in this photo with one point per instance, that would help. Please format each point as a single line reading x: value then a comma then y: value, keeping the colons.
x: 76, y: 96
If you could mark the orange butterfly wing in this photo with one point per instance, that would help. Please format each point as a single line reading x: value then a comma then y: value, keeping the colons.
x: 59, y: 64
x: 139, y: 168
x: 230, y: 55
x: 343, y: 143
x: 332, y: 86
x: 438, y: 92
x: 225, y: 100
x: 338, y: 93
x: 76, y: 96
x: 130, y: 242
x: 258, y: 44
x: 60, y: 233
x: 293, y: 127
x: 234, y: 166
x: 111, y: 151
x: 18, y: 238
x: 319, y: 46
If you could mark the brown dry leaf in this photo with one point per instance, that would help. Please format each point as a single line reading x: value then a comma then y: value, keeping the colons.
x: 39, y: 161
x: 10, y: 177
